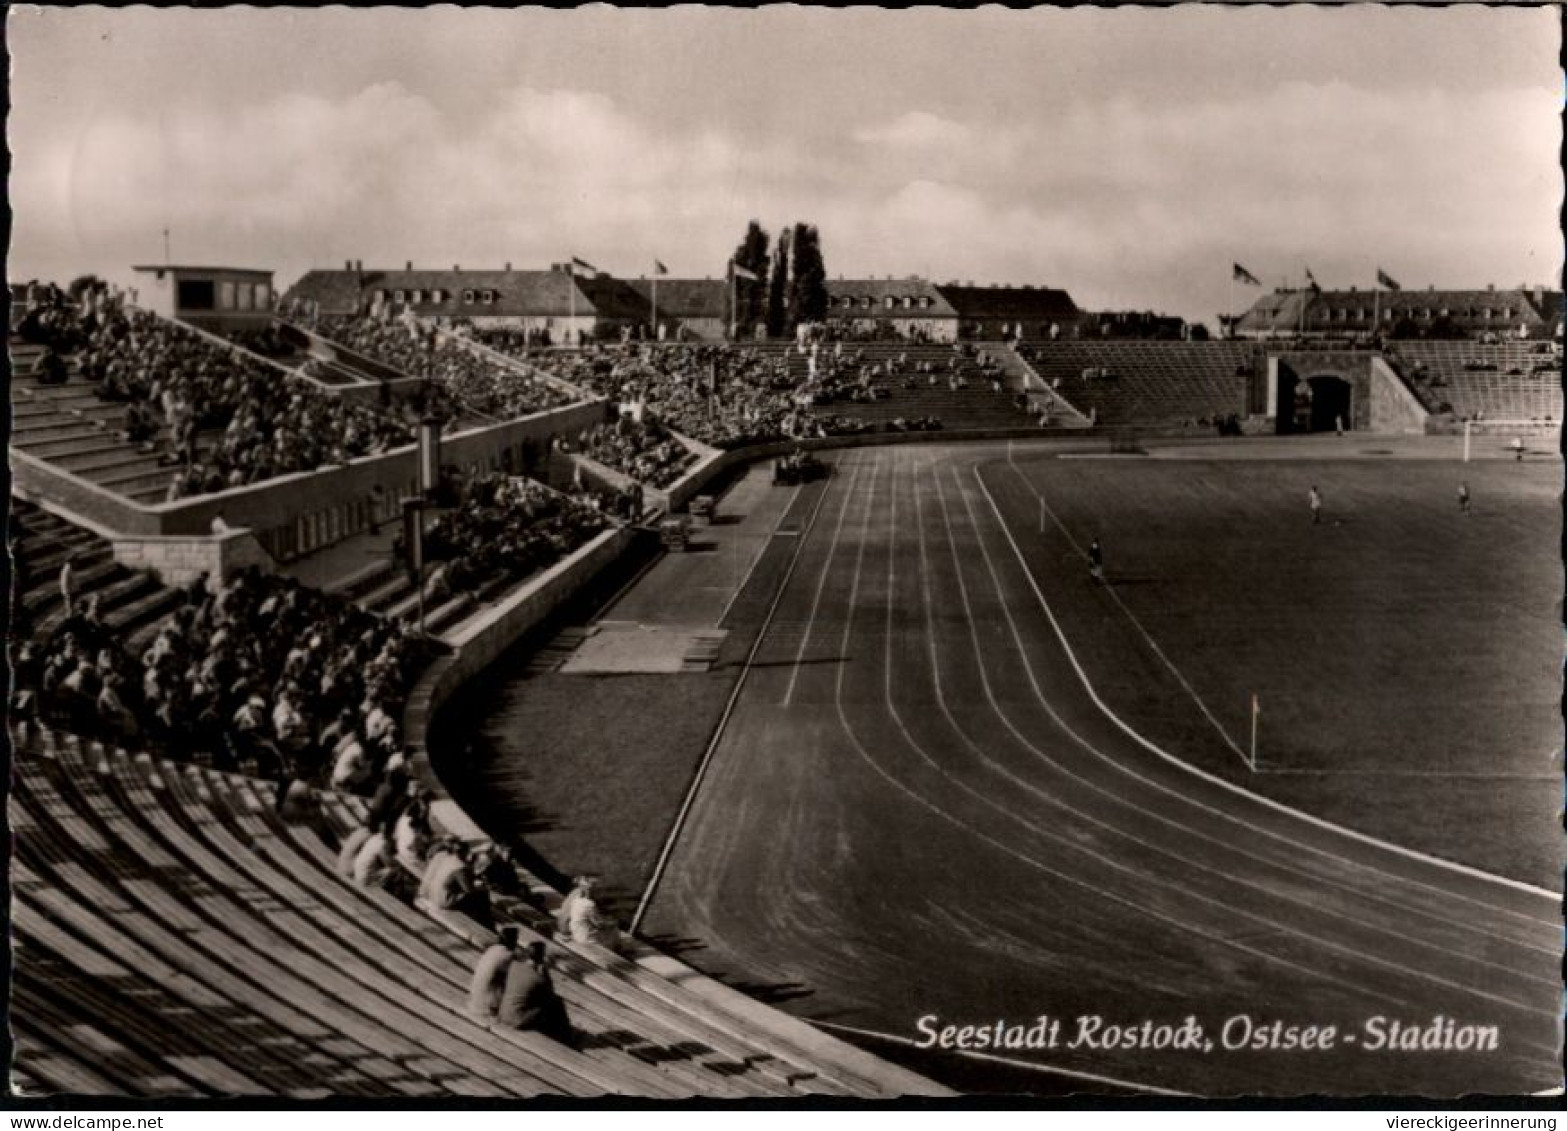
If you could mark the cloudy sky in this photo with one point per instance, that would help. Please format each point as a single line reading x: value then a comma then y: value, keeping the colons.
x: 1128, y: 155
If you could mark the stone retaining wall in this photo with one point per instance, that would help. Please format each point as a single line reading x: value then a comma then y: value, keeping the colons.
x: 179, y: 560
x: 482, y: 639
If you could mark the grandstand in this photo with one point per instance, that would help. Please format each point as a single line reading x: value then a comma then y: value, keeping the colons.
x: 70, y: 427
x: 1149, y: 383
x: 1513, y: 381
x: 147, y: 891
x: 163, y: 876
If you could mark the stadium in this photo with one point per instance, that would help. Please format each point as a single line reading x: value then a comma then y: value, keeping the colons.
x: 448, y: 683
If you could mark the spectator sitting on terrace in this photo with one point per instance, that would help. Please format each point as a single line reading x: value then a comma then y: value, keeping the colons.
x: 489, y: 975
x: 529, y: 1001
x: 448, y: 878
x: 375, y: 862
x: 580, y: 919
x: 50, y: 368
x: 412, y: 834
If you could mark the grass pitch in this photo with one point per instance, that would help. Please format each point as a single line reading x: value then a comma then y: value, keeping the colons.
x: 1406, y: 657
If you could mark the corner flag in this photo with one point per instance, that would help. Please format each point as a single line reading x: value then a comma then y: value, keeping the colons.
x: 1387, y: 280
x: 659, y: 268
x: 584, y: 264
x: 741, y: 272
x: 1241, y: 275
x: 1311, y: 281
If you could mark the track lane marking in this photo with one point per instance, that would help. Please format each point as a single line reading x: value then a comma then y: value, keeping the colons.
x: 1305, y: 935
x: 718, y: 732
x: 1165, y: 851
x: 1268, y: 802
x: 1024, y: 857
x: 821, y: 583
x: 761, y: 550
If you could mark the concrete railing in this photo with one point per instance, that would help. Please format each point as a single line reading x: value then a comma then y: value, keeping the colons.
x: 304, y: 511
x: 480, y: 640
x: 180, y: 560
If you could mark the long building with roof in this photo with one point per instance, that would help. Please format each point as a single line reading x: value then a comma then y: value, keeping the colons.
x: 568, y: 304
x: 1510, y: 313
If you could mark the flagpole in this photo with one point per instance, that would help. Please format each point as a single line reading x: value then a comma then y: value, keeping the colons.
x: 1231, y: 311
x: 1254, y: 713
x: 1376, y: 304
x: 571, y: 297
x: 655, y: 301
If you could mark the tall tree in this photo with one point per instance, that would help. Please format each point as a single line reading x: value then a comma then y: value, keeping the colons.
x: 778, y: 289
x: 752, y: 297
x: 808, y: 283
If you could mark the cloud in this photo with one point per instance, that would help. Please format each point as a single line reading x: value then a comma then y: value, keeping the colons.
x: 1125, y: 200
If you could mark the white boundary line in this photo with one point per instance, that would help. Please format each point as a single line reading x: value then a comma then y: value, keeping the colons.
x: 718, y: 731
x: 1214, y: 779
x: 755, y: 561
x: 1138, y: 807
x: 821, y: 585
x: 1354, y: 950
x: 1012, y: 1062
x: 1046, y: 508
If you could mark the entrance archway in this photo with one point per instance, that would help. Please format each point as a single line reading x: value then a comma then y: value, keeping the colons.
x: 1332, y: 399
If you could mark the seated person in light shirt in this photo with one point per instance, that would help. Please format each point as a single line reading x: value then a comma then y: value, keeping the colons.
x: 373, y: 866
x: 489, y: 975
x: 412, y: 835
x: 444, y: 881
x: 580, y: 919
x: 351, y: 766
x: 349, y: 852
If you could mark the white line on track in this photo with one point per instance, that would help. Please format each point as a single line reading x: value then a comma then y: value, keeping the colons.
x: 1142, y: 813
x: 1284, y: 928
x: 1137, y: 624
x: 821, y: 582
x: 762, y: 549
x: 1011, y: 1062
x: 718, y: 731
x: 1030, y: 861
x: 1268, y: 802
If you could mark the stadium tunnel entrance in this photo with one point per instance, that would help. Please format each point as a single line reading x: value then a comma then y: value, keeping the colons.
x: 1309, y: 398
x: 1332, y: 398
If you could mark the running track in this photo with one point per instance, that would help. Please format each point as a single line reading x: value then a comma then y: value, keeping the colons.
x: 918, y: 808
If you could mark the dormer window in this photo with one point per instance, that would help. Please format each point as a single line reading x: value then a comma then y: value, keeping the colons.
x: 399, y: 295
x: 489, y: 298
x: 467, y: 295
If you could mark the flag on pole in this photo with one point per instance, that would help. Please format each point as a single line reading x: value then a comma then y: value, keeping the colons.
x: 1386, y: 280
x: 584, y: 264
x: 741, y: 272
x: 1311, y: 281
x: 1241, y: 275
x: 659, y: 268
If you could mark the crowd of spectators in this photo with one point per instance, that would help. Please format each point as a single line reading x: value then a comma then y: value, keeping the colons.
x: 644, y: 450
x: 417, y: 349
x: 722, y: 396
x: 262, y: 670
x: 499, y: 530
x: 176, y: 385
